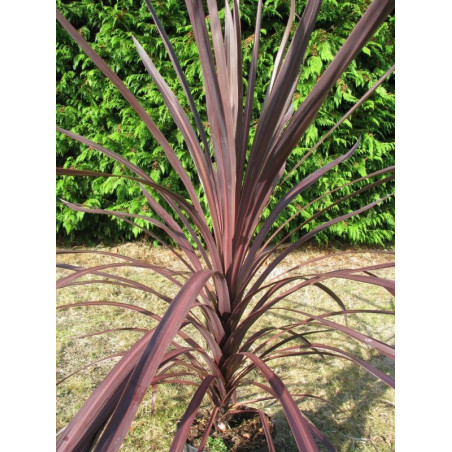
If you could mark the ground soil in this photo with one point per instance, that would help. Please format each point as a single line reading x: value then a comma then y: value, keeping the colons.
x: 244, y: 432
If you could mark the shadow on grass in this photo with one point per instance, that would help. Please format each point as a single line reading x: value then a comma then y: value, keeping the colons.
x: 357, y: 417
x: 354, y: 396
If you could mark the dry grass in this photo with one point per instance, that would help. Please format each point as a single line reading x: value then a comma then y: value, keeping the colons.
x: 359, y: 415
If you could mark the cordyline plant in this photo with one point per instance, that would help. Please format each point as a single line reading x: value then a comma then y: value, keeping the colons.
x: 225, y: 271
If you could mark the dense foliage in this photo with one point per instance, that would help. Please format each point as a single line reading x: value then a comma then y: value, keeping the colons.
x: 89, y: 104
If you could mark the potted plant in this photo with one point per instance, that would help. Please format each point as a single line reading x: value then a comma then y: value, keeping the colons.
x: 227, y: 245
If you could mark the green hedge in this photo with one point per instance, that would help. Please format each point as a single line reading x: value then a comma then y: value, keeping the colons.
x: 88, y: 104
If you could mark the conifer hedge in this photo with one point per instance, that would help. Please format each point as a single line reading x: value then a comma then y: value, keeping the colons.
x: 88, y: 104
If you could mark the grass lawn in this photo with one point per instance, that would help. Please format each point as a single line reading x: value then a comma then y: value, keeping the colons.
x: 357, y: 413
